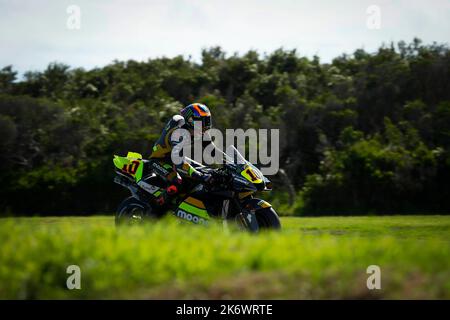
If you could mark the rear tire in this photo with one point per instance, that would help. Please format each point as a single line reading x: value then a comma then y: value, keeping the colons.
x: 268, y: 219
x: 132, y: 211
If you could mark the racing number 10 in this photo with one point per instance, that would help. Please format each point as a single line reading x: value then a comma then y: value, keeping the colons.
x: 132, y: 167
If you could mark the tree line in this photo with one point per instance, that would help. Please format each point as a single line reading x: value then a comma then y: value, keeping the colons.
x: 368, y: 133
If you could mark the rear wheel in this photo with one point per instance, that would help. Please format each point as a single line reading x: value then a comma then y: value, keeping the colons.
x: 132, y: 211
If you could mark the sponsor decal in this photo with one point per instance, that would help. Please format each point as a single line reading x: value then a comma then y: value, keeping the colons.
x: 191, y: 217
x: 148, y: 187
x: 160, y: 168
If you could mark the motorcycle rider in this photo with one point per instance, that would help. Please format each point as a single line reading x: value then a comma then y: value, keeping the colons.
x: 162, y: 163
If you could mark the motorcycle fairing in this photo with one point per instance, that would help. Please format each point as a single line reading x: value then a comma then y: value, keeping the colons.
x: 251, y: 175
x: 193, y: 210
x: 130, y: 165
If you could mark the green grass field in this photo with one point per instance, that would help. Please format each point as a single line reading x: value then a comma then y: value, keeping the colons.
x: 312, y: 258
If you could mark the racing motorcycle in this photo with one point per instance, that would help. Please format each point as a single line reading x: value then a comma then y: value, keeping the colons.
x: 231, y: 198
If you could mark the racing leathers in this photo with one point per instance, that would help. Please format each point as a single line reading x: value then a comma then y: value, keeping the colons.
x: 163, y: 165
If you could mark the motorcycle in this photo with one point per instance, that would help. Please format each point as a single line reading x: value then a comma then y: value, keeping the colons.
x: 231, y: 198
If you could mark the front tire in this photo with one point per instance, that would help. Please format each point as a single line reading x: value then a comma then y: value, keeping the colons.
x: 268, y: 219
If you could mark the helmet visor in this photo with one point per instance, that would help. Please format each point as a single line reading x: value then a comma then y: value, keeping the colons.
x: 206, y: 122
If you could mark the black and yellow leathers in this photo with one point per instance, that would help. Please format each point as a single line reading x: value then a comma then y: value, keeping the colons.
x: 162, y: 163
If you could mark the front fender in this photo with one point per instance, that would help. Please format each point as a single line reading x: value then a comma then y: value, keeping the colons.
x: 254, y: 204
x: 250, y: 206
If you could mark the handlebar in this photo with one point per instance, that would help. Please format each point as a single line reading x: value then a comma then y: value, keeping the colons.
x: 221, y: 175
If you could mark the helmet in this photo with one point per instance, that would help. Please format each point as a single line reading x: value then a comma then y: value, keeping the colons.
x: 197, y: 112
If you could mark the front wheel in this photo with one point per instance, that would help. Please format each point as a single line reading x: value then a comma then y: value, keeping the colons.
x: 268, y: 219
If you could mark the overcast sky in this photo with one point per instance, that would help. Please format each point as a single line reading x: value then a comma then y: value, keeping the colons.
x: 34, y: 33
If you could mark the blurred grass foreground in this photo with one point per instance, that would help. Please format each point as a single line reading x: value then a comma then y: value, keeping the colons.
x: 311, y: 258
